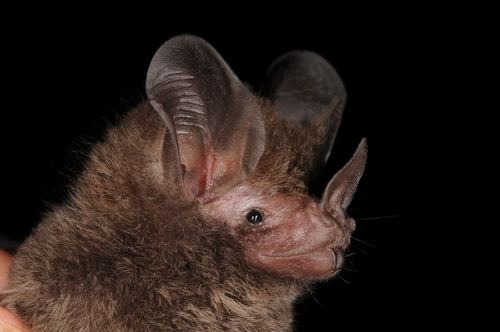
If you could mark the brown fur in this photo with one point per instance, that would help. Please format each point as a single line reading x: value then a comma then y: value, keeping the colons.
x: 290, y: 156
x: 121, y: 255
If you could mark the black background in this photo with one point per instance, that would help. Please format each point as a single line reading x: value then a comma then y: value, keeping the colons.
x: 67, y: 79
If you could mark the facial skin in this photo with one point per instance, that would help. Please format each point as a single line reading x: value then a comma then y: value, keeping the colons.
x: 295, y: 238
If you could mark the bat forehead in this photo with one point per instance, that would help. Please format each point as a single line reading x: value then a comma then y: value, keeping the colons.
x: 248, y: 195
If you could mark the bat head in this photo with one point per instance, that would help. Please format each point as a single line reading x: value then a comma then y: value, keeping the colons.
x: 247, y: 163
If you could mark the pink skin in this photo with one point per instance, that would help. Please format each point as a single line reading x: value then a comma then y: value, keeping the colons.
x: 296, y: 238
x: 8, y: 320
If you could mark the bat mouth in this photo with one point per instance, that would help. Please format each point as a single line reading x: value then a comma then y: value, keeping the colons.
x: 328, y: 246
x: 337, y: 256
x: 322, y: 263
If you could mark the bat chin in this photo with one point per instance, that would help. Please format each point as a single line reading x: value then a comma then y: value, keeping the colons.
x: 327, y: 264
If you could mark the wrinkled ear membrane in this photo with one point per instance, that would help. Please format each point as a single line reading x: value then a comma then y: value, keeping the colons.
x: 342, y: 187
x: 171, y: 167
x: 217, y: 121
x: 308, y: 92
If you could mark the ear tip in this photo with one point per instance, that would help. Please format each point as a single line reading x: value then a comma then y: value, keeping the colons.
x: 305, y: 61
x: 172, y: 45
x: 186, y: 38
x: 302, y: 56
x: 362, y: 150
x: 175, y: 55
x: 364, y: 144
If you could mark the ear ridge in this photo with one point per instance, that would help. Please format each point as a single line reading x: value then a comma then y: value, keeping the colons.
x: 342, y: 187
x: 172, y: 176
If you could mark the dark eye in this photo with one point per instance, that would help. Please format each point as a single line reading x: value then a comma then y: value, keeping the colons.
x: 255, y: 217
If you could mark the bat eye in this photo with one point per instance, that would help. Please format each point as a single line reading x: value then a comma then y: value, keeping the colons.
x: 255, y: 217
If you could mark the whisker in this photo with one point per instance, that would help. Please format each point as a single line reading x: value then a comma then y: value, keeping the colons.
x: 350, y: 270
x: 362, y: 251
x: 315, y: 299
x: 347, y: 282
x: 348, y: 257
x: 364, y: 242
x: 380, y: 217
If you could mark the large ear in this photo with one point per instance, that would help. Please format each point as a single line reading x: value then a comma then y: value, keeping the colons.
x: 308, y: 92
x: 218, y: 123
x: 341, y: 188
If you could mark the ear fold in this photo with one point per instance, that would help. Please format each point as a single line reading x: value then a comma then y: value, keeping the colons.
x: 308, y: 92
x: 341, y: 188
x: 171, y: 170
x: 217, y: 121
